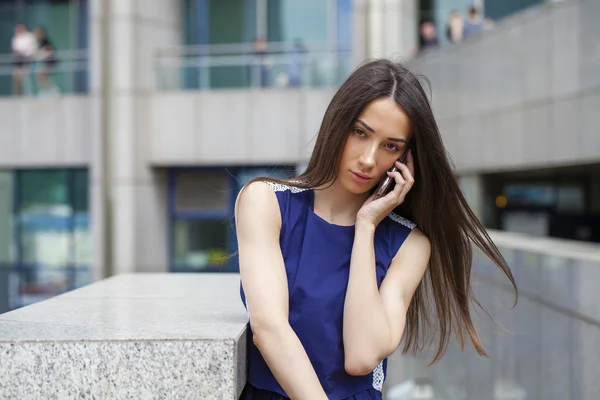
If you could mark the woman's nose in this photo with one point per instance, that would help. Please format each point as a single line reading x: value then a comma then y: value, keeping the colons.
x: 367, y: 158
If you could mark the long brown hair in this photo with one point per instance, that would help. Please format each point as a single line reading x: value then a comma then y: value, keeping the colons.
x: 435, y: 203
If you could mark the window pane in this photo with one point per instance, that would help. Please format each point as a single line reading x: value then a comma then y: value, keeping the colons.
x: 8, y: 19
x: 44, y: 191
x: 570, y: 199
x: 80, y: 190
x: 6, y: 218
x: 45, y: 217
x: 6, y: 286
x: 201, y: 244
x: 530, y: 194
x: 202, y: 191
x: 81, y: 223
x: 501, y: 9
x: 45, y: 240
x: 82, y: 277
x: 287, y: 20
x: 38, y: 284
x: 230, y: 21
x: 56, y: 17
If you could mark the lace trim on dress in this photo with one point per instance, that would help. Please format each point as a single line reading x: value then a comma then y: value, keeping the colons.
x: 378, y: 377
x: 401, y: 220
x: 280, y: 187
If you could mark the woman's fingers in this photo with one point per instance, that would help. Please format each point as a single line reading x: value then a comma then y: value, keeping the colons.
x: 406, y: 172
x: 404, y: 182
x: 396, y: 193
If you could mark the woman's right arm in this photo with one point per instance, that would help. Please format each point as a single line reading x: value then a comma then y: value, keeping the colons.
x: 262, y: 270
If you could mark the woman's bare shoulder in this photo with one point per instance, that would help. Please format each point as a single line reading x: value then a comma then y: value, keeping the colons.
x: 257, y: 201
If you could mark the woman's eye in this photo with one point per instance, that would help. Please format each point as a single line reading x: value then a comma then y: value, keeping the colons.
x: 392, y: 147
x: 359, y: 132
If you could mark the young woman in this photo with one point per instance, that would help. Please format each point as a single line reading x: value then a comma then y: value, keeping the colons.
x: 48, y: 56
x: 333, y: 278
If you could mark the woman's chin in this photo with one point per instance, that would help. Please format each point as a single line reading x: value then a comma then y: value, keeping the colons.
x: 360, y: 189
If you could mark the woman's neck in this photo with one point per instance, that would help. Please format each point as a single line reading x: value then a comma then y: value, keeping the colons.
x: 336, y: 205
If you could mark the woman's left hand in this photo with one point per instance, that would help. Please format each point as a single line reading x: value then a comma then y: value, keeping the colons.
x: 374, y: 211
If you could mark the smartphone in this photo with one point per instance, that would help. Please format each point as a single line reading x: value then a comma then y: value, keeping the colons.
x: 386, y: 185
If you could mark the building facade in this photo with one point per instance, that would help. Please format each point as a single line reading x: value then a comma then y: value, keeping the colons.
x: 161, y: 111
x: 166, y: 108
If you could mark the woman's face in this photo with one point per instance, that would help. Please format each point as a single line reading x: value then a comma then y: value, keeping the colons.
x: 377, y: 139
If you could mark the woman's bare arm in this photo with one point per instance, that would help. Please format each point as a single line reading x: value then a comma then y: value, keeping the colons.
x: 258, y: 223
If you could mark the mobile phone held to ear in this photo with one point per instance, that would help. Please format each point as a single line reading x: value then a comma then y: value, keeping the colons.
x: 386, y: 184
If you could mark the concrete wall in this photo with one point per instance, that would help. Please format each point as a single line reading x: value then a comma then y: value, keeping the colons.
x: 233, y: 127
x: 45, y: 132
x: 525, y: 94
x: 547, y: 347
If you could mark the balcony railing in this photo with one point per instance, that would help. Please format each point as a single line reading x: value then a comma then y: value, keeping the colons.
x: 238, y: 65
x: 69, y: 74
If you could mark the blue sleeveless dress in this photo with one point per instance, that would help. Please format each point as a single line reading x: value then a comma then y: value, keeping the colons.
x: 317, y: 262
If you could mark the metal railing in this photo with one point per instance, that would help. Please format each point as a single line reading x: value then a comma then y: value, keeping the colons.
x: 69, y: 74
x: 241, y: 65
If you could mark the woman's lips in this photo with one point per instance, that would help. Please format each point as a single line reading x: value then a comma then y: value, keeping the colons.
x: 360, y: 177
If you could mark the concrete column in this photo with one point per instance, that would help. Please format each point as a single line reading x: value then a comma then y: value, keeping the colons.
x: 391, y: 28
x: 409, y: 13
x: 137, y: 212
x: 376, y: 28
x: 360, y: 12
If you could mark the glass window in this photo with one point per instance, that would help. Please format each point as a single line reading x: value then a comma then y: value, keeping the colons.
x: 570, y: 199
x: 199, y: 191
x: 66, y: 26
x: 201, y: 245
x: 51, y: 238
x: 44, y: 217
x: 287, y: 20
x: 81, y: 276
x: 499, y: 9
x: 6, y: 240
x: 81, y: 224
x: 6, y: 217
x: 202, y: 216
x: 530, y: 194
x: 8, y: 18
x: 217, y: 22
x: 311, y: 62
x: 41, y: 190
x: 37, y: 284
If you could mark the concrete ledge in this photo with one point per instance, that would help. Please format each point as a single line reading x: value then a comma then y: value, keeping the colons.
x: 141, y: 336
x: 577, y: 250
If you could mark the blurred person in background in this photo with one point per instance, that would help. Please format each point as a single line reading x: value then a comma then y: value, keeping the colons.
x: 24, y: 48
x: 474, y: 23
x: 296, y: 63
x: 428, y: 36
x: 454, y: 31
x: 334, y: 277
x: 261, y: 65
x: 48, y: 59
